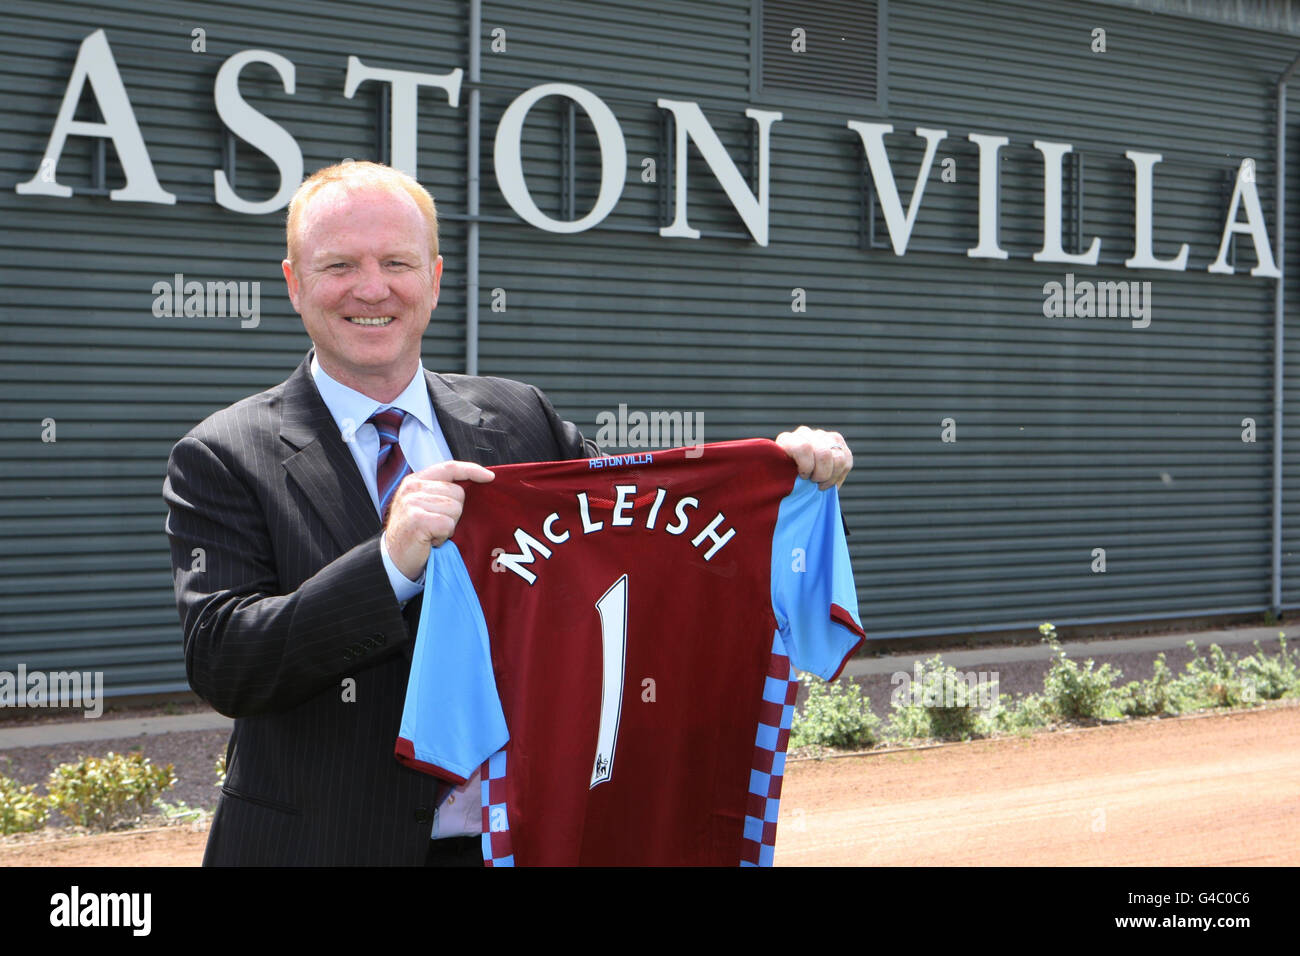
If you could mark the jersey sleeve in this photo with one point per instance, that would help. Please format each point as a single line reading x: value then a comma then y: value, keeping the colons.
x: 813, y: 595
x: 452, y: 719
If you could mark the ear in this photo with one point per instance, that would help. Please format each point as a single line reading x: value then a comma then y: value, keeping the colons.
x: 291, y: 280
x: 437, y: 279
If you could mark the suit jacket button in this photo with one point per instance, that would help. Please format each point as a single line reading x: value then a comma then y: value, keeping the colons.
x: 422, y: 815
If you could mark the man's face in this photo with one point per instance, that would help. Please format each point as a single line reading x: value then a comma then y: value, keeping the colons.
x: 364, y: 285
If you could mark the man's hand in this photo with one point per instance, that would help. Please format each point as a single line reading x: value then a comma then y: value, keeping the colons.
x: 822, y: 456
x: 424, y: 511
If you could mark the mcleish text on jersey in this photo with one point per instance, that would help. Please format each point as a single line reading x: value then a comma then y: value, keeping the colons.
x: 622, y: 515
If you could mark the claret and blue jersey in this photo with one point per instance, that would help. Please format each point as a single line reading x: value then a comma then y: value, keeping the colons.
x: 614, y: 648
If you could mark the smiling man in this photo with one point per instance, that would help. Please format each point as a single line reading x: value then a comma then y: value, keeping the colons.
x: 301, y: 520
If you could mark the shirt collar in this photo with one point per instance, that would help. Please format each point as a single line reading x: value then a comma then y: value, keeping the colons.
x: 347, y: 403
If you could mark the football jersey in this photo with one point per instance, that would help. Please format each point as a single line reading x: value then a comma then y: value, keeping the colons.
x: 612, y: 641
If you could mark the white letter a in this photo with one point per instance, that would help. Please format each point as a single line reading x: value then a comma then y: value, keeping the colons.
x: 95, y: 63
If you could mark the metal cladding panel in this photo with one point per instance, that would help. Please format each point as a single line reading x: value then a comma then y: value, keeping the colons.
x: 1072, y: 434
x: 85, y: 577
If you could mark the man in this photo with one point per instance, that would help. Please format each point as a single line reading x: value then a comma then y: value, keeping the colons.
x: 299, y: 601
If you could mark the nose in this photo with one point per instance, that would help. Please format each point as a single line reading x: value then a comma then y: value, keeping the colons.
x: 371, y: 282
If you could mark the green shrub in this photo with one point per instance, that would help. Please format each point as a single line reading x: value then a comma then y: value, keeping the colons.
x: 181, y: 812
x: 1021, y: 715
x: 22, y: 809
x: 1152, y: 697
x: 220, y: 768
x: 1031, y: 712
x: 937, y: 703
x: 1271, y: 677
x: 1074, y: 692
x: 102, y: 792
x: 907, y: 722
x: 1211, y: 683
x: 940, y: 704
x: 834, y: 715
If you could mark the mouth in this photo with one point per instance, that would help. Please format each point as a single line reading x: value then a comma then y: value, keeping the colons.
x: 370, y: 320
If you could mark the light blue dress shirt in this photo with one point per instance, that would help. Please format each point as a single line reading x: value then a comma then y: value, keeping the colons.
x: 421, y: 440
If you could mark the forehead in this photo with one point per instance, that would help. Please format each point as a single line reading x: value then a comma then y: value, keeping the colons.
x: 341, y: 218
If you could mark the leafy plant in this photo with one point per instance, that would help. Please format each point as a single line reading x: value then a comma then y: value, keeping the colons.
x: 907, y: 722
x: 1213, y: 682
x: 834, y: 715
x: 1029, y: 713
x: 1158, y: 695
x: 940, y: 702
x: 1020, y: 715
x: 220, y: 768
x: 1078, y: 693
x: 22, y: 809
x: 181, y: 812
x: 102, y: 792
x: 1271, y: 677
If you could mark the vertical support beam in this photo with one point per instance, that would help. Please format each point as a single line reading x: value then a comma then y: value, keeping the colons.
x: 1077, y: 169
x: 99, y: 167
x: 1279, y: 324
x: 472, y: 190
x: 568, y: 160
x: 866, y: 203
x: 1279, y: 328
x: 384, y: 108
x: 1226, y: 187
x: 667, y: 176
x: 228, y: 149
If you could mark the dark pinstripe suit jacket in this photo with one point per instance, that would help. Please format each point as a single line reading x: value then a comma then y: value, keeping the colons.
x: 288, y: 597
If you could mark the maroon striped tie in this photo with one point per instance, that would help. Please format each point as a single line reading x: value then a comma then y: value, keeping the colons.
x: 392, y: 463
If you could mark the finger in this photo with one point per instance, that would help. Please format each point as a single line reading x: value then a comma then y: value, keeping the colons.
x: 431, y: 494
x: 796, y: 445
x: 416, y: 497
x: 423, y: 517
x: 432, y: 497
x: 846, y: 466
x: 823, y: 472
x: 455, y: 471
x: 842, y: 461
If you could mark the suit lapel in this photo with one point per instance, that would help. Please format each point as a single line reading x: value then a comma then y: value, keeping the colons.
x: 322, y: 465
x: 462, y: 425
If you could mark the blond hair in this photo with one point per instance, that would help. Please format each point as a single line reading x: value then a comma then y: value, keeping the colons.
x: 356, y: 175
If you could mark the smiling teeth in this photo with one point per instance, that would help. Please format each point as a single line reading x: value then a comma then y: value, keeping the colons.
x: 370, y: 320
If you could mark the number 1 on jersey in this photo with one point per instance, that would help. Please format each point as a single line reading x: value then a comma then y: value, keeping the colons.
x: 612, y: 608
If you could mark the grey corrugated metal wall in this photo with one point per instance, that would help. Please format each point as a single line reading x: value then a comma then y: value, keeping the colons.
x: 1072, y: 434
x: 86, y: 580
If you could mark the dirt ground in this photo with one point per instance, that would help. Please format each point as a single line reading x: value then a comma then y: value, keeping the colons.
x: 1215, y: 790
